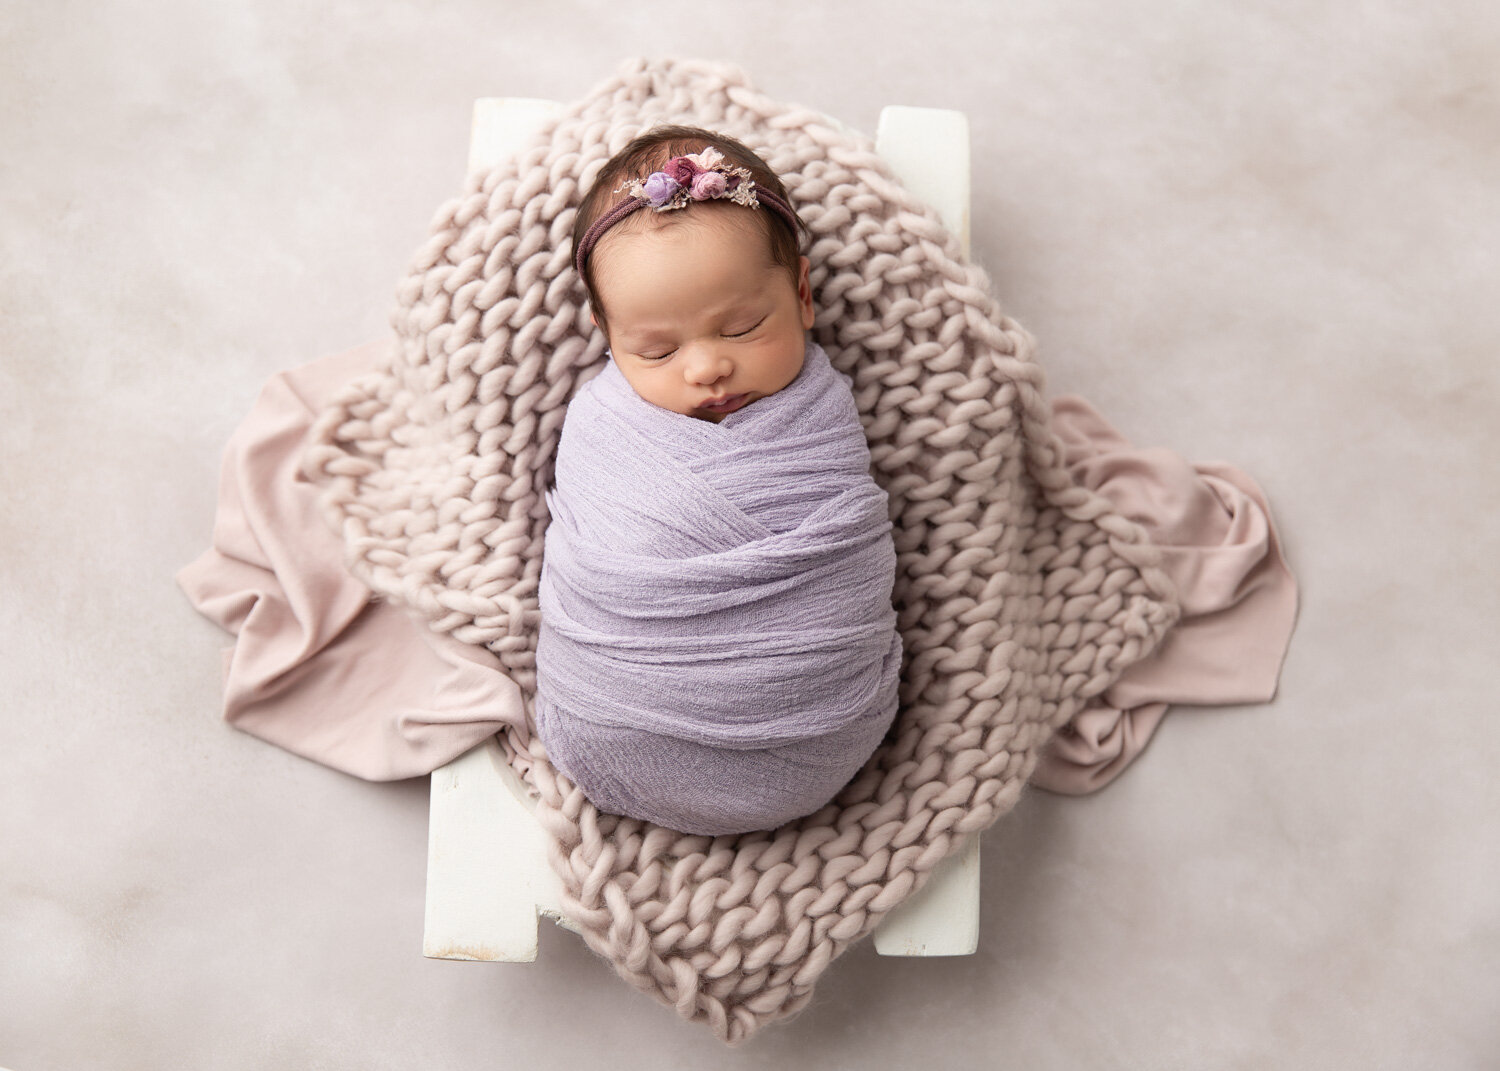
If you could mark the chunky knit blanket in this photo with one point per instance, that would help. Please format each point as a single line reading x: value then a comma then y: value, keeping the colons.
x: 1018, y: 593
x: 718, y: 652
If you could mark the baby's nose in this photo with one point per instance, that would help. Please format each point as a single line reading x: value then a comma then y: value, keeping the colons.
x: 707, y: 365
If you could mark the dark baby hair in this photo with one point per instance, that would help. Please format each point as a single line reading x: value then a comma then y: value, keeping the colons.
x: 648, y: 153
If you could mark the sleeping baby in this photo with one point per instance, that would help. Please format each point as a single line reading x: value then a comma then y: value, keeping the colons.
x: 718, y: 651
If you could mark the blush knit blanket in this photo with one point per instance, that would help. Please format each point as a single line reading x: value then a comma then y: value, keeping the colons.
x: 718, y: 652
x: 1019, y: 593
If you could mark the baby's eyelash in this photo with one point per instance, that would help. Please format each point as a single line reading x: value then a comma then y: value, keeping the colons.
x: 746, y: 331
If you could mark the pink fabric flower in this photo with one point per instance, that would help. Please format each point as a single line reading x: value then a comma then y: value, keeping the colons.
x: 708, y: 185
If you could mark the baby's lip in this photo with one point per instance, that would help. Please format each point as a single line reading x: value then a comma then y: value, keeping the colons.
x: 713, y: 403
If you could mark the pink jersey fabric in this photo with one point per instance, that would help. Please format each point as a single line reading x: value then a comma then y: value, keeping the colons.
x: 322, y: 669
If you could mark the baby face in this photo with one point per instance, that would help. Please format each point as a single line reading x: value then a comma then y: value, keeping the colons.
x: 701, y: 321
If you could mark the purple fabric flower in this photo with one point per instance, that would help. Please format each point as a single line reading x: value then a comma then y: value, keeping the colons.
x: 708, y: 185
x: 660, y: 188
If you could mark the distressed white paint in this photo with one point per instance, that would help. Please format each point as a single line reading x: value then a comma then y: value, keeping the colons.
x: 488, y: 877
x: 487, y: 872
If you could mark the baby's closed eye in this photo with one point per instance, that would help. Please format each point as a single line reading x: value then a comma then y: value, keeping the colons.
x: 746, y: 331
x: 728, y: 334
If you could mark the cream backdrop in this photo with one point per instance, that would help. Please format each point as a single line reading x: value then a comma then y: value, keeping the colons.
x: 1260, y: 232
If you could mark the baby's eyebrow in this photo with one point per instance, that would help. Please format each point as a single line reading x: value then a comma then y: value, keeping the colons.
x: 645, y: 334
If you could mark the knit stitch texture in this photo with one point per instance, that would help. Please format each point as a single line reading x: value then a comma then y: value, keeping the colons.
x: 1019, y: 594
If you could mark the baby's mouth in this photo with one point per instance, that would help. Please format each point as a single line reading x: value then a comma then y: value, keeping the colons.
x: 728, y: 405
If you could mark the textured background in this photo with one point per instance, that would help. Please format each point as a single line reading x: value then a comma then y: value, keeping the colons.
x: 1264, y: 233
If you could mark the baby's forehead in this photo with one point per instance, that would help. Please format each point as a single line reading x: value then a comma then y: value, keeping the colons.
x: 735, y: 225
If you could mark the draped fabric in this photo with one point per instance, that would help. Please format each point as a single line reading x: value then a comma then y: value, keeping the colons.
x: 321, y: 669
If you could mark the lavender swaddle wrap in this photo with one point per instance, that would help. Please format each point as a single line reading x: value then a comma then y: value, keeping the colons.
x: 718, y: 651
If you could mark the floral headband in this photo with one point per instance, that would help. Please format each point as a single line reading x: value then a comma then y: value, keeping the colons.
x: 702, y: 176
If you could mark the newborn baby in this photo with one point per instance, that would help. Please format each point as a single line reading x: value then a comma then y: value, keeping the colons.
x: 718, y: 652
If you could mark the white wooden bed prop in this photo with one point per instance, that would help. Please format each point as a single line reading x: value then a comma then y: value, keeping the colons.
x: 488, y: 877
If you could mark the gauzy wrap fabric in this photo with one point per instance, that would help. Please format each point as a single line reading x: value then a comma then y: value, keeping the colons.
x: 1019, y: 594
x: 718, y: 652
